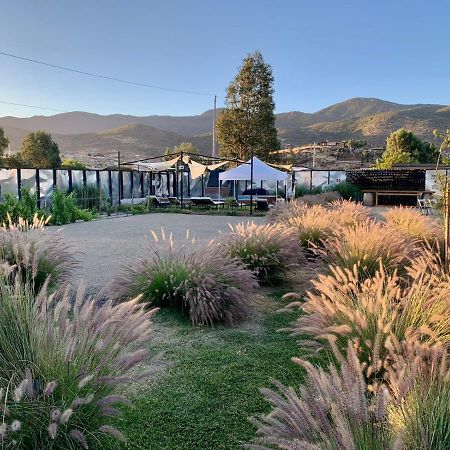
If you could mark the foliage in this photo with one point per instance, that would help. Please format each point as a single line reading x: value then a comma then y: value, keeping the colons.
x: 248, y: 122
x: 402, y: 146
x: 90, y: 197
x: 268, y: 250
x: 330, y: 411
x: 69, y: 163
x: 68, y: 361
x: 411, y: 223
x: 347, y: 191
x: 35, y: 254
x: 368, y: 244
x: 356, y: 143
x: 4, y: 141
x: 202, y: 282
x: 40, y: 151
x: 12, y: 161
x: 301, y: 190
x: 185, y: 147
x: 25, y: 207
x: 64, y: 209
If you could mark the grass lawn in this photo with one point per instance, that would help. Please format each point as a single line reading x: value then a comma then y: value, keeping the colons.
x: 204, y: 399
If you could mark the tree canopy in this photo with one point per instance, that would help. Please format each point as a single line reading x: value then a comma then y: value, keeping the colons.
x: 4, y: 141
x: 39, y: 150
x: 69, y: 163
x: 404, y: 147
x: 248, y: 122
x: 185, y: 147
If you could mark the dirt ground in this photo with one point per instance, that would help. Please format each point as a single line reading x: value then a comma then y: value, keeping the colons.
x: 102, y: 246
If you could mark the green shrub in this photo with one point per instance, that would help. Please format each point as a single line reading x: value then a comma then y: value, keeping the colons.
x: 202, y: 282
x: 301, y: 190
x: 25, y: 208
x: 90, y: 197
x: 348, y: 191
x: 64, y: 209
x: 268, y: 250
x: 64, y: 366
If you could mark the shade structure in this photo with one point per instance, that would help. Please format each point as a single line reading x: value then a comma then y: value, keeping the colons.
x: 261, y: 172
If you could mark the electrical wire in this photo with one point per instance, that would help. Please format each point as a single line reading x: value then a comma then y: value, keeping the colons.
x: 32, y: 106
x: 105, y: 77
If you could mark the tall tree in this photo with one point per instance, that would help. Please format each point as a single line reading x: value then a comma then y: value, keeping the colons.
x: 404, y: 147
x: 186, y: 147
x: 4, y: 141
x: 248, y: 122
x: 39, y: 150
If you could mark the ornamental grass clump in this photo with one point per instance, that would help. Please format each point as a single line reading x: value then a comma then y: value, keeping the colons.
x: 312, y: 226
x: 283, y: 211
x: 203, y: 282
x: 267, y: 250
x: 347, y: 213
x: 412, y: 224
x: 367, y: 244
x: 64, y: 365
x: 330, y: 411
x: 419, y: 380
x: 35, y: 253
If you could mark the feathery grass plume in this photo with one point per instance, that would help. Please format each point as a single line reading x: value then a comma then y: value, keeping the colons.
x: 75, y: 355
x: 411, y: 223
x: 367, y: 244
x: 283, y: 211
x: 331, y: 411
x: 35, y: 253
x: 347, y: 213
x: 323, y: 198
x: 203, y: 282
x: 312, y: 226
x: 346, y: 308
x: 267, y: 250
x: 419, y: 379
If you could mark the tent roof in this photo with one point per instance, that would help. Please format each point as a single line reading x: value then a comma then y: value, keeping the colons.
x: 261, y: 172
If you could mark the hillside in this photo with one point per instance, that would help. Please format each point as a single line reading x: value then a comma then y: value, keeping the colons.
x: 96, y: 139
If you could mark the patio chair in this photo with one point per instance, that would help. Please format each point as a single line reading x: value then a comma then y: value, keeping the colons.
x: 206, y: 202
x: 262, y: 204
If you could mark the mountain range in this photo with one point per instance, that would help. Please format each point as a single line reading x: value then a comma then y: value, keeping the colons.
x: 95, y: 139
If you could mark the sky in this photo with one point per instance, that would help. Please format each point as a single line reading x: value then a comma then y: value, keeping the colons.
x: 321, y: 52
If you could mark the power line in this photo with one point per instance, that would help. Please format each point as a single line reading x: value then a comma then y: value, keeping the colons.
x: 32, y: 106
x: 105, y: 77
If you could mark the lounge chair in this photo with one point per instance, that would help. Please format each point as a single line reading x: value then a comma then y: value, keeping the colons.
x: 159, y: 202
x: 206, y: 202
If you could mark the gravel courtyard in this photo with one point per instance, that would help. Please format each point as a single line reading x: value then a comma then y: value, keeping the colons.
x: 104, y: 245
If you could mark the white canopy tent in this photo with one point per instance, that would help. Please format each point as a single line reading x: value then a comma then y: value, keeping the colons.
x: 261, y: 172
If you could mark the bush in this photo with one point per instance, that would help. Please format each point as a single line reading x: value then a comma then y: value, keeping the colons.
x: 283, y: 211
x: 301, y: 190
x: 330, y: 411
x: 411, y: 223
x: 64, y: 209
x: 347, y: 213
x: 69, y: 362
x: 35, y: 254
x: 202, y: 282
x: 347, y: 191
x: 368, y: 244
x: 267, y: 250
x: 89, y: 197
x: 12, y: 209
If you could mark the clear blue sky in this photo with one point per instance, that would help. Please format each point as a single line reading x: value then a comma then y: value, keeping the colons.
x: 321, y: 52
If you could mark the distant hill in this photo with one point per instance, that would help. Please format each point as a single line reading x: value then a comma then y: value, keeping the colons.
x: 96, y: 139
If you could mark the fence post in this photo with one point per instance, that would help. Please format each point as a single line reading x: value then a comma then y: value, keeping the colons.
x: 97, y: 179
x: 151, y: 183
x: 203, y: 185
x: 38, y: 189
x: 54, y: 178
x: 310, y: 181
x: 70, y: 181
x: 110, y: 186
x: 168, y: 183
x: 142, y: 185
x: 131, y: 183
x: 19, y: 183
x: 84, y: 178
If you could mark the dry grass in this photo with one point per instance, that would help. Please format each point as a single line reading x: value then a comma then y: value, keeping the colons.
x: 268, y: 250
x: 411, y: 223
x: 203, y: 282
x: 366, y: 245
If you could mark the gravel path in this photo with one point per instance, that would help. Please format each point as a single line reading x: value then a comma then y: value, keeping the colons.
x: 104, y: 245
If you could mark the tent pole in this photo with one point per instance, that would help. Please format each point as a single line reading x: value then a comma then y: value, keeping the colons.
x: 251, y: 184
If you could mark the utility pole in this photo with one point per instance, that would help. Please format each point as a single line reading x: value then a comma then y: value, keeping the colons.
x: 214, y: 128
x: 119, y: 178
